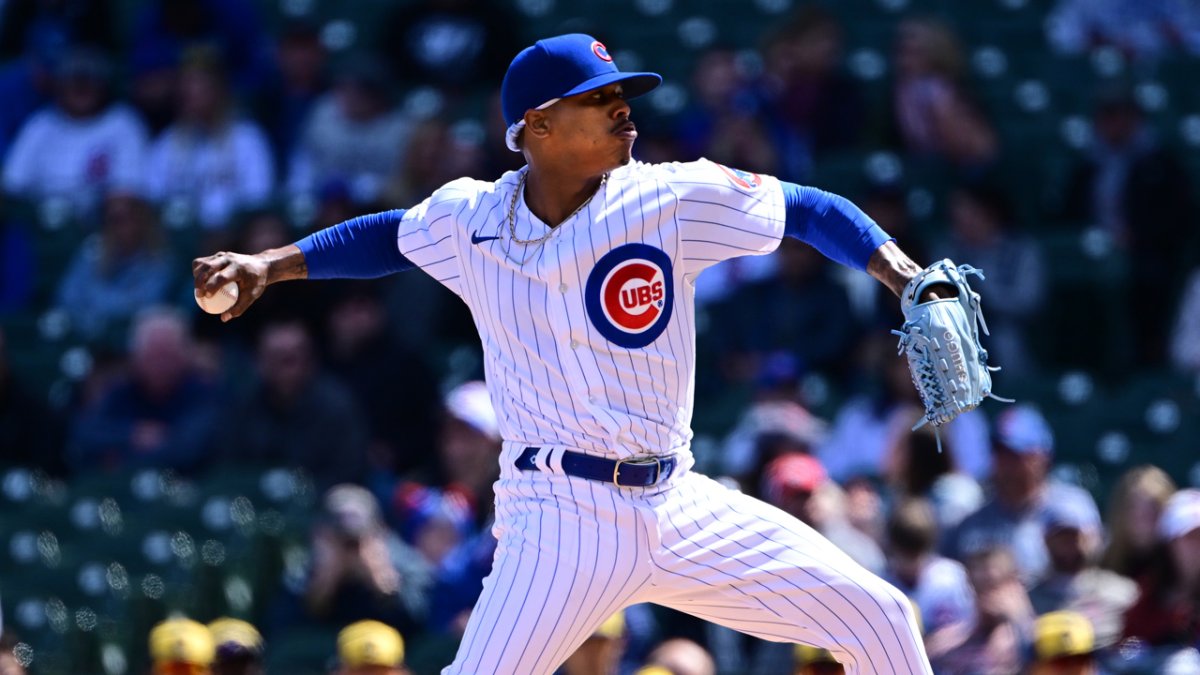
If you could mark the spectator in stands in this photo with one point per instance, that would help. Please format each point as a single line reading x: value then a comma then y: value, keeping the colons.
x: 767, y: 430
x: 18, y: 264
x: 370, y: 648
x: 1132, y: 187
x: 1074, y: 536
x: 814, y: 661
x: 600, y: 654
x: 1023, y: 446
x: 722, y: 122
x: 359, y: 569
x: 814, y: 106
x: 867, y: 427
x: 299, y: 78
x: 982, y: 229
x: 162, y: 414
x: 364, y: 354
x: 437, y: 153
x: 918, y: 464
x: 123, y: 269
x: 455, y: 45
x: 938, y: 586
x: 180, y: 645
x: 294, y: 414
x: 82, y: 146
x: 1141, y: 29
x: 798, y: 484
x: 864, y: 508
x: 994, y: 640
x: 432, y: 521
x: 682, y: 657
x: 29, y: 432
x: 931, y: 111
x: 353, y: 136
x: 1134, y: 510
x: 239, y: 648
x: 1166, y: 611
x: 1064, y: 644
x: 210, y: 161
x: 801, y: 309
x: 469, y: 446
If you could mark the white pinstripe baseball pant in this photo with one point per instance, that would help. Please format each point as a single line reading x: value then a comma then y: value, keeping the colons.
x: 572, y: 552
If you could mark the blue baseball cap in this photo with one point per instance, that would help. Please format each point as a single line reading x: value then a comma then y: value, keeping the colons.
x: 559, y: 67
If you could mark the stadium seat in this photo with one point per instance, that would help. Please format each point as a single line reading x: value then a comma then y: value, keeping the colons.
x: 306, y: 651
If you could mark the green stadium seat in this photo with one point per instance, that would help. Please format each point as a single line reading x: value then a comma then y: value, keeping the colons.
x: 430, y: 654
x: 306, y: 651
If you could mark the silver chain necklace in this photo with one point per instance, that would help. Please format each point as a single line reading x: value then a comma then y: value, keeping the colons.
x: 512, y: 211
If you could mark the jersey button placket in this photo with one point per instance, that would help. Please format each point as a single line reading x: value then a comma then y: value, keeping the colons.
x: 553, y: 273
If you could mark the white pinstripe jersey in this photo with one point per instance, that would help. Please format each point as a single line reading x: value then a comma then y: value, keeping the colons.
x: 589, y: 337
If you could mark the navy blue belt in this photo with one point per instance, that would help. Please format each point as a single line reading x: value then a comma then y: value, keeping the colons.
x: 642, y: 472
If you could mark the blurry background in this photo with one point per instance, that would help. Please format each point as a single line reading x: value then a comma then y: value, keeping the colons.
x: 155, y: 460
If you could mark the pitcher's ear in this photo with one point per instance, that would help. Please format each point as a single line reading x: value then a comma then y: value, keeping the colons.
x: 537, y: 123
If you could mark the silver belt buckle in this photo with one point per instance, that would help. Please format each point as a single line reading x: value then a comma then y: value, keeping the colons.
x: 644, y: 461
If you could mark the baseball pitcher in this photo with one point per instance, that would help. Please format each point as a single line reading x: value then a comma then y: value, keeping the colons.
x: 578, y: 270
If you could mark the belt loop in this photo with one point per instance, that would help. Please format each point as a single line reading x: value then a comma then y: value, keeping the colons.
x: 539, y: 460
x: 554, y: 460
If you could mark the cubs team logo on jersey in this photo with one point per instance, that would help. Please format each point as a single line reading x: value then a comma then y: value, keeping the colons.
x: 742, y: 179
x: 629, y: 295
x: 601, y: 51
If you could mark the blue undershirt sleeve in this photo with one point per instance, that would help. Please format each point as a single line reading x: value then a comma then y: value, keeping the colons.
x: 831, y: 224
x: 359, y: 248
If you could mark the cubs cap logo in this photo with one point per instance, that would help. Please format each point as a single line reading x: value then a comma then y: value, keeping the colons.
x: 630, y: 295
x: 743, y: 179
x: 600, y: 50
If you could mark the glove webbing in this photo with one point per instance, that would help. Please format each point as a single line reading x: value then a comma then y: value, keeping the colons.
x: 929, y: 379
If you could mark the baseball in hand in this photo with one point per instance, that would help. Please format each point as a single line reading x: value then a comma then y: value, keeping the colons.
x: 219, y: 302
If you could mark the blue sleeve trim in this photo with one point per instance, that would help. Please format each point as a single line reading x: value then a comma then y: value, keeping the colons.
x: 831, y: 224
x: 359, y: 248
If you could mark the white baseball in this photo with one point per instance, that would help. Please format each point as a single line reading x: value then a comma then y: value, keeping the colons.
x: 219, y: 302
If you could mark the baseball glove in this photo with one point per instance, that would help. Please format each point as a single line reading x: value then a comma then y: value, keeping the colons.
x: 941, y: 340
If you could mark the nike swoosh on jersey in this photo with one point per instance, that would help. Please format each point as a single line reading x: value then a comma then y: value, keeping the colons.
x: 476, y: 239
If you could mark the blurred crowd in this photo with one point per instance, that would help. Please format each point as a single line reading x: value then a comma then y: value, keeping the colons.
x: 181, y: 127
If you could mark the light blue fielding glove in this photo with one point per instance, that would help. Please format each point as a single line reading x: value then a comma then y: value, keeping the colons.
x: 948, y: 363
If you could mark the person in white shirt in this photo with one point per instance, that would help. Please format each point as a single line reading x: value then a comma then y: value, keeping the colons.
x: 83, y: 146
x: 209, y: 161
x: 352, y: 136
